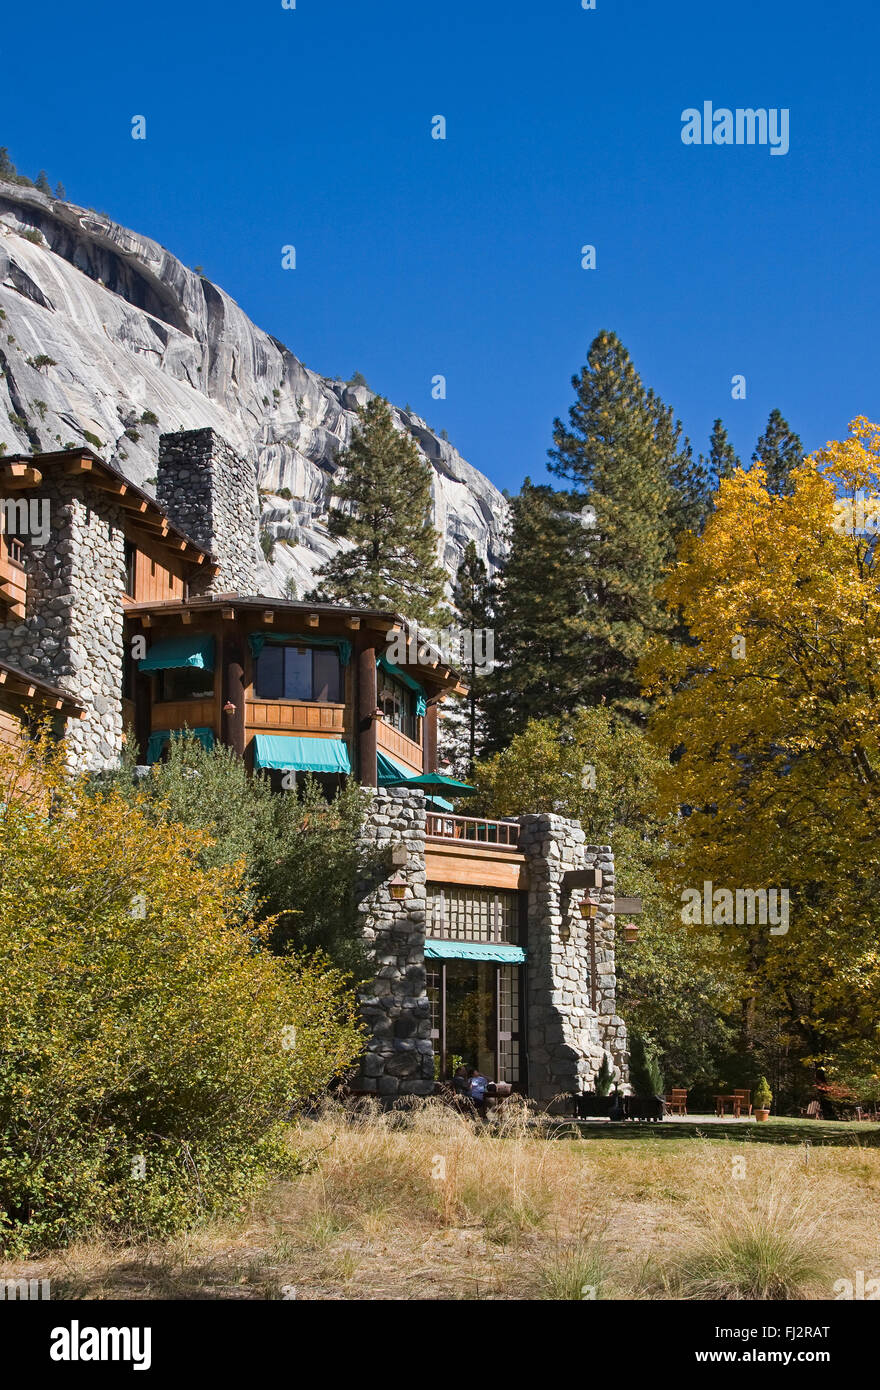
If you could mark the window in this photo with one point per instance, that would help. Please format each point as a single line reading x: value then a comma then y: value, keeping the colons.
x: 299, y: 673
x: 398, y: 706
x: 472, y: 914
x: 186, y: 683
x: 130, y: 562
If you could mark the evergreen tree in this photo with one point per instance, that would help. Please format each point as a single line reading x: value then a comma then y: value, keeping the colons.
x: 42, y: 184
x: 621, y: 450
x: 690, y: 487
x: 779, y: 450
x: 385, y: 514
x: 473, y: 606
x: 539, y: 615
x: 7, y: 168
x: 60, y: 191
x: 722, y: 460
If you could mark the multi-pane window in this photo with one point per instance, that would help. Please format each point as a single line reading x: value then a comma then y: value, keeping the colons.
x: 186, y: 683
x: 298, y: 673
x: 472, y: 914
x: 508, y: 1023
x: 398, y: 706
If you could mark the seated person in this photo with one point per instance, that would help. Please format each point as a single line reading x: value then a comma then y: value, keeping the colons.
x: 478, y: 1085
x: 460, y: 1083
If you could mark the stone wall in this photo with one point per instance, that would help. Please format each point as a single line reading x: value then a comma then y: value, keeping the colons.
x: 72, y: 632
x: 399, y: 1057
x: 210, y: 492
x: 566, y: 1034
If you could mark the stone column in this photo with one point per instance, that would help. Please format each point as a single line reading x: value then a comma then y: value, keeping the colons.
x: 210, y: 492
x: 566, y: 1034
x: 399, y: 1055
x: 71, y: 634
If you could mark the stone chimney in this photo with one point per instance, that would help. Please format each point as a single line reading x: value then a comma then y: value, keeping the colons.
x: 210, y: 492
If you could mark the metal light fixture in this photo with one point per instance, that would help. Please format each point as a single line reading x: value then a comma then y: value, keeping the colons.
x: 589, y: 909
x: 630, y: 931
x: 229, y: 707
x: 397, y: 887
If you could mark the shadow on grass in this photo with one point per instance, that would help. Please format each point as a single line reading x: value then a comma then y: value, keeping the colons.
x: 773, y: 1131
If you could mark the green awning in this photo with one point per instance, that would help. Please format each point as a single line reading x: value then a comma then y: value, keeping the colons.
x: 389, y: 770
x: 287, y: 753
x: 408, y: 681
x: 258, y: 640
x: 500, y: 951
x: 158, y: 740
x: 171, y: 653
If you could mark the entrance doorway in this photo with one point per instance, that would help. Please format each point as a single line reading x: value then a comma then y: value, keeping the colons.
x: 475, y: 1017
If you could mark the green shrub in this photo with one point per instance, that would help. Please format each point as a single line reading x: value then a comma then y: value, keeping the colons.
x: 151, y: 1046
x: 604, y: 1077
x: 645, y: 1076
x: 762, y: 1096
x: 92, y: 439
x: 149, y: 417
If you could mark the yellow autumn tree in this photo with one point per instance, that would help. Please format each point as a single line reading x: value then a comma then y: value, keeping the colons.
x: 151, y: 1046
x: 771, y: 717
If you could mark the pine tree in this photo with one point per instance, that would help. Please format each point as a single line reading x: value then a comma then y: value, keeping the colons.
x: 539, y: 615
x: 385, y: 514
x: 42, y: 184
x: 779, y: 450
x: 636, y: 490
x: 7, y: 168
x: 722, y: 461
x: 473, y: 606
x: 60, y: 192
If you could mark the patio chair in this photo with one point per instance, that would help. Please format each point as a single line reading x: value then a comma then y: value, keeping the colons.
x: 813, y: 1111
x: 745, y: 1102
x: 677, y: 1100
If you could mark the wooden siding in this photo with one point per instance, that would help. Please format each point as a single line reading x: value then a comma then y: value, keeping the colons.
x: 294, y: 717
x: 480, y: 867
x: 10, y: 728
x: 154, y: 581
x: 174, y: 714
x: 404, y: 749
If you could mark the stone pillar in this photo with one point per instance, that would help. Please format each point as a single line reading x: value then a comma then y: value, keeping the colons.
x: 210, y: 492
x: 399, y: 1056
x: 71, y: 634
x: 566, y: 1034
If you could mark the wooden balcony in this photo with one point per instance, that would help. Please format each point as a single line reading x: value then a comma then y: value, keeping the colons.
x: 469, y: 830
x: 404, y: 749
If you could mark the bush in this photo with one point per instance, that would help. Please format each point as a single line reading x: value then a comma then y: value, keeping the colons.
x: 151, y: 1046
x: 604, y: 1077
x: 763, y: 1096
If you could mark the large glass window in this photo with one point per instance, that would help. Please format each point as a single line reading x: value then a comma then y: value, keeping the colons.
x: 398, y: 705
x: 472, y: 914
x: 298, y: 673
x: 186, y: 683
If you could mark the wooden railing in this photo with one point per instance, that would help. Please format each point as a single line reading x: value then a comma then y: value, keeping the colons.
x: 470, y: 830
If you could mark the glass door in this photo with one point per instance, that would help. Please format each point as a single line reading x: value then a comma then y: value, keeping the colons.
x: 475, y: 1017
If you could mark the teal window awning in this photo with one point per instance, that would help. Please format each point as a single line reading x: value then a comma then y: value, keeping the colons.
x: 158, y: 740
x: 389, y: 770
x: 258, y: 640
x: 287, y: 753
x: 501, y: 951
x: 409, y: 681
x: 171, y: 653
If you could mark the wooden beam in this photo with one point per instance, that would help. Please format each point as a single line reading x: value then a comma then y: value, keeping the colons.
x: 111, y: 485
x: 628, y: 907
x: 186, y: 617
x: 353, y: 623
x: 78, y: 466
x: 313, y: 619
x: 581, y: 878
x: 16, y: 475
x: 228, y: 614
x: 268, y: 615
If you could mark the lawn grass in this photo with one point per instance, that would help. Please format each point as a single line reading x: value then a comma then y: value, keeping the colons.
x: 428, y: 1205
x: 775, y: 1130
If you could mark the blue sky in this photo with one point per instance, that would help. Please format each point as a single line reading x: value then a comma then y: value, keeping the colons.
x: 418, y: 257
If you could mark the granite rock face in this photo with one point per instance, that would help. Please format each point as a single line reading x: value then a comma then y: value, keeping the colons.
x: 107, y: 339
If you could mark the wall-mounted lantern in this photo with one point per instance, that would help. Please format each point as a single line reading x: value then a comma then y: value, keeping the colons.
x: 589, y: 909
x: 229, y: 707
x: 397, y: 887
x: 630, y: 931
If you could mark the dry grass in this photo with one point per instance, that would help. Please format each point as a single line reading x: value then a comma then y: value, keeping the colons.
x: 423, y: 1204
